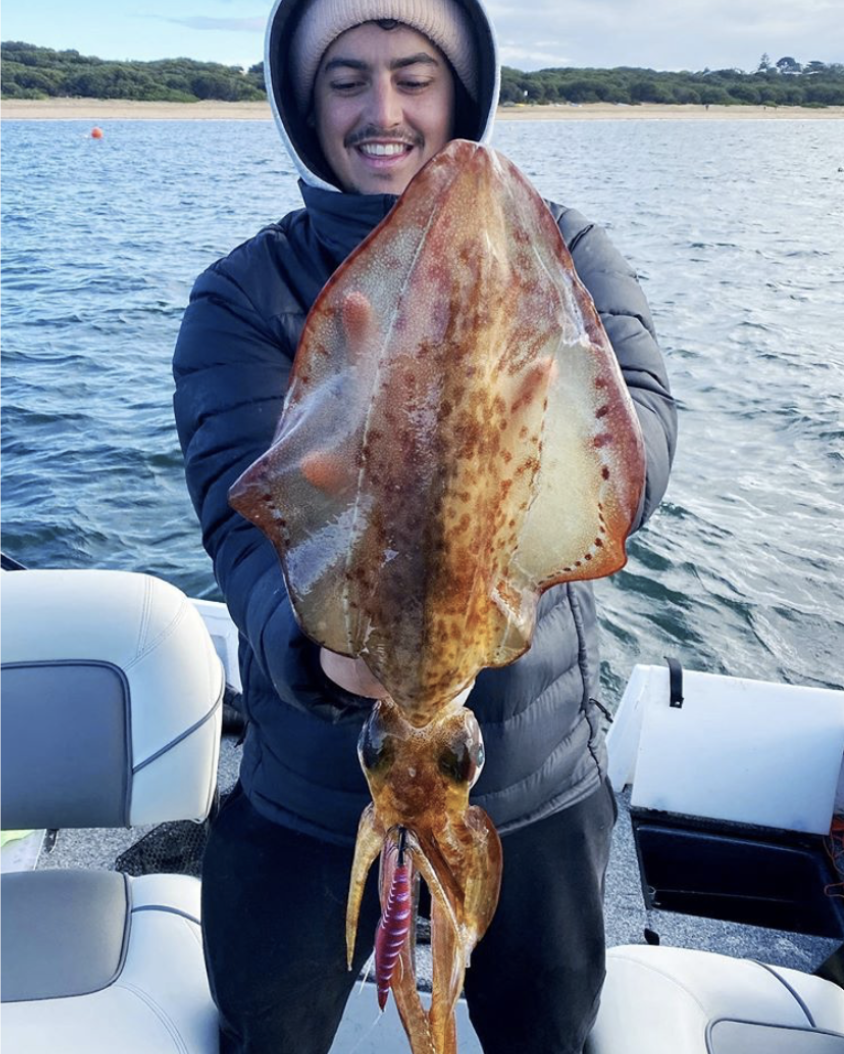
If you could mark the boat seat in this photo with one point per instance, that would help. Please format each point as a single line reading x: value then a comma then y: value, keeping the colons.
x: 660, y: 1000
x: 112, y: 708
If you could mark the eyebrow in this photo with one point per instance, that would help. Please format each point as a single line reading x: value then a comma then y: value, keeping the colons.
x: 421, y: 57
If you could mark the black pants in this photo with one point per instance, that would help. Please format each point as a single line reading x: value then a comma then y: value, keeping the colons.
x: 273, y: 909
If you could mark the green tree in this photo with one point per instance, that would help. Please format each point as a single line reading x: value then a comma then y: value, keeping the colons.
x: 745, y: 93
x: 711, y: 95
x: 824, y: 95
x: 649, y: 91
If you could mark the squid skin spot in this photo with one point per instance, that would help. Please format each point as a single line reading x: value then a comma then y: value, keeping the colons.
x: 599, y: 543
x: 600, y: 382
x: 605, y: 472
x: 523, y: 432
x: 578, y: 563
x: 602, y: 439
x: 602, y: 411
x: 508, y: 457
x: 588, y: 556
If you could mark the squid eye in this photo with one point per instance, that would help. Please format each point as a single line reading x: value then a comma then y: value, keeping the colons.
x: 463, y: 758
x: 456, y: 762
x: 376, y: 748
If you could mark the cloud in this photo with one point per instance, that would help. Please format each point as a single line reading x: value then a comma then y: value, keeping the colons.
x: 664, y: 34
x: 226, y: 25
x: 520, y: 57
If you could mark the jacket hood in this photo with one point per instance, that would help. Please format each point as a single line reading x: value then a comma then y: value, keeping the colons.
x: 299, y: 138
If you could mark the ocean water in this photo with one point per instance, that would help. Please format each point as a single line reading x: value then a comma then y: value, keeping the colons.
x: 736, y: 230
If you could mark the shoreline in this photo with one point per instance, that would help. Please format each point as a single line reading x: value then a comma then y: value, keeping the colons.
x: 100, y: 110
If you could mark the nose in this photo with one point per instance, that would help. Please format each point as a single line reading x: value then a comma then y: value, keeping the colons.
x: 385, y: 107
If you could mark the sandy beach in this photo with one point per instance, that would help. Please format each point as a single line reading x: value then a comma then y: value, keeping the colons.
x: 100, y: 110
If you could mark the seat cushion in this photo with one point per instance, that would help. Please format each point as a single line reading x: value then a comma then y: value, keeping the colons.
x: 158, y: 1001
x: 66, y: 727
x: 660, y: 1000
x: 115, y: 702
x: 64, y: 933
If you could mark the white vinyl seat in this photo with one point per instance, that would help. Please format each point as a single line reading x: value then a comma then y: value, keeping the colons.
x: 660, y: 1000
x: 112, y: 708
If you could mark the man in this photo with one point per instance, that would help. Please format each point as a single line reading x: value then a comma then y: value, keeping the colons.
x: 364, y: 93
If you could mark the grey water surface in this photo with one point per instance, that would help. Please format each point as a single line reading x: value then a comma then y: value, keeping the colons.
x: 737, y: 232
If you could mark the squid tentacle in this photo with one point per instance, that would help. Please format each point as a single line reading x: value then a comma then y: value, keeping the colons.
x: 369, y: 842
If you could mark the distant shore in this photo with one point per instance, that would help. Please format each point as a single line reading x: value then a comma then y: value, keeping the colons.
x: 99, y: 110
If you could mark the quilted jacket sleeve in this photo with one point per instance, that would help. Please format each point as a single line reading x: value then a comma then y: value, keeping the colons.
x: 231, y: 367
x: 627, y: 319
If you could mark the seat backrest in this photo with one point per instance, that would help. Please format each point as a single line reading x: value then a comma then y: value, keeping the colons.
x: 112, y: 701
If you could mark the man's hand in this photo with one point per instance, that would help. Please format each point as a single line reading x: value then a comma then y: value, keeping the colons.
x: 351, y: 674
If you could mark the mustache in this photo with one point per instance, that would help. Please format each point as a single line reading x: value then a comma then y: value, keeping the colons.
x: 403, y: 135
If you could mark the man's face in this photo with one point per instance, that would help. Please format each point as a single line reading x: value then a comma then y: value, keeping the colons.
x: 384, y: 105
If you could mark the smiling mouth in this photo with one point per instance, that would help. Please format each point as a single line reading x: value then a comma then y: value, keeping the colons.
x: 384, y: 149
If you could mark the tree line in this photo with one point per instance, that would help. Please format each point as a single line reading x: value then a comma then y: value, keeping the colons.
x: 30, y: 72
x: 784, y: 83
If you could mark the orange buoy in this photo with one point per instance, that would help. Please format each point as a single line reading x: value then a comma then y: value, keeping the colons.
x: 96, y: 133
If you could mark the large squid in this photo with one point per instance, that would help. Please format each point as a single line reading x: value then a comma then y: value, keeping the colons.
x: 456, y: 438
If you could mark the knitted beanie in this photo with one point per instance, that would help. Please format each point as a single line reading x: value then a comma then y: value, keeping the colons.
x: 443, y: 22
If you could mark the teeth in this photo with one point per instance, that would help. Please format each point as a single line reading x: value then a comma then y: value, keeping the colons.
x: 383, y: 149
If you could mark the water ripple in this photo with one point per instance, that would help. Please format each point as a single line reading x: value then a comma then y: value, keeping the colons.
x: 735, y: 227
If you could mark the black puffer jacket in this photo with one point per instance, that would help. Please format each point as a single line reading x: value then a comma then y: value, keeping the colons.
x: 234, y: 353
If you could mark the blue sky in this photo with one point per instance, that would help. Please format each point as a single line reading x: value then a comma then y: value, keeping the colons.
x: 662, y: 34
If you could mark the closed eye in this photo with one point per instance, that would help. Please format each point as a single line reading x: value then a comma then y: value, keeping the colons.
x: 346, y: 85
x: 412, y: 84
